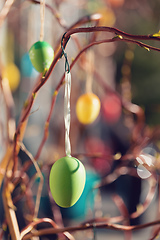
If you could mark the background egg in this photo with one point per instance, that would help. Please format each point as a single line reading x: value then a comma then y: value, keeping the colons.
x: 12, y: 73
x: 87, y: 108
x: 67, y: 180
x: 41, y: 55
x: 111, y: 108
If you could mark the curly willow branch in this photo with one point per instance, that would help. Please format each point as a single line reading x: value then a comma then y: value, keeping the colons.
x: 88, y: 226
x: 42, y: 80
x: 114, y: 39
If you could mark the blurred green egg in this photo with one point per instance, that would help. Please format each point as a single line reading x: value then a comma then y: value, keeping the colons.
x: 41, y: 55
x: 67, y: 180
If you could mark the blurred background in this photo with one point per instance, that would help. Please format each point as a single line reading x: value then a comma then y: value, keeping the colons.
x: 125, y: 70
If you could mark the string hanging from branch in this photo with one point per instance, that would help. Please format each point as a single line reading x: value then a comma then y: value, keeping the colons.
x: 42, y: 15
x: 67, y: 111
x: 67, y: 115
x: 67, y: 177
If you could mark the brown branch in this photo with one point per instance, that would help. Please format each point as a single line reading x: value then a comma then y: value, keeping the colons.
x: 25, y: 191
x: 61, y: 21
x: 150, y: 195
x: 9, y: 102
x: 6, y: 162
x: 10, y: 211
x: 111, y: 30
x: 56, y: 14
x: 124, y: 212
x: 123, y: 170
x: 88, y: 226
x: 5, y: 10
x: 29, y: 227
x: 156, y: 230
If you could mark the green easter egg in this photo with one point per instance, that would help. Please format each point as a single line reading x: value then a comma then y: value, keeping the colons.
x: 41, y: 55
x: 67, y: 180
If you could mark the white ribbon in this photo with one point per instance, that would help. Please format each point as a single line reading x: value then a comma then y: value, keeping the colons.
x: 67, y: 115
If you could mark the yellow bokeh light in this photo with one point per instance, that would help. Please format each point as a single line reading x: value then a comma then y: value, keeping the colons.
x: 108, y: 17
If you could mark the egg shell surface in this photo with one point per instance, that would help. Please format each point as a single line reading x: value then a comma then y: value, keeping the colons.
x: 67, y: 180
x: 88, y: 108
x: 41, y: 55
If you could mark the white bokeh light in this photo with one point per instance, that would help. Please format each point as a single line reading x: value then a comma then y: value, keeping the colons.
x: 143, y: 172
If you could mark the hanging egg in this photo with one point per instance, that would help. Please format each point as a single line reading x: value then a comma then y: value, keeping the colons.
x: 27, y: 69
x: 67, y: 180
x: 88, y: 108
x: 41, y: 55
x: 12, y: 73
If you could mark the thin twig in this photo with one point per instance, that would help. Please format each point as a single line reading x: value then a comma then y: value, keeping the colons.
x: 124, y: 212
x: 43, y: 220
x: 5, y: 10
x: 39, y: 175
